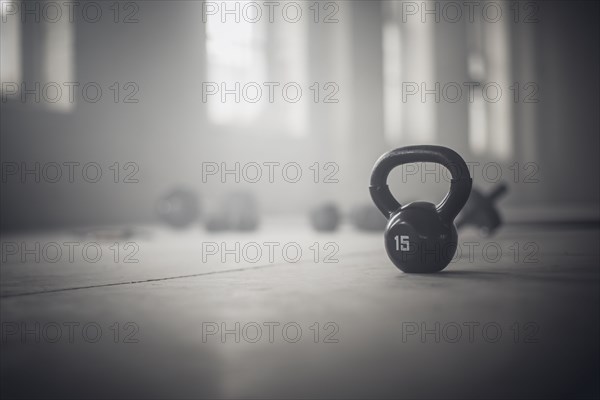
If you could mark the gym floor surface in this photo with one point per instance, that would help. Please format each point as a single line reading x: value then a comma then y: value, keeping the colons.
x: 513, y: 316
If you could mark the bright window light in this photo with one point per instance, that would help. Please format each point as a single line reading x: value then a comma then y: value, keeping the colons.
x: 241, y: 57
x: 236, y: 55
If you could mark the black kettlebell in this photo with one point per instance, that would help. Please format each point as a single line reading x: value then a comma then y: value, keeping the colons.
x: 420, y: 237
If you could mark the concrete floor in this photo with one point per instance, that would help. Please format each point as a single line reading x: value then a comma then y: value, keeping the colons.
x: 521, y: 325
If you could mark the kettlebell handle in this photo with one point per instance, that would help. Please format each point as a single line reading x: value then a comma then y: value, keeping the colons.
x: 460, y: 185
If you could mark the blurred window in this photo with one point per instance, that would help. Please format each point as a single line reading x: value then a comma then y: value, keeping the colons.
x: 58, y: 64
x: 490, y: 112
x: 50, y: 38
x: 10, y: 45
x: 408, y: 71
x: 254, y: 68
x: 236, y: 55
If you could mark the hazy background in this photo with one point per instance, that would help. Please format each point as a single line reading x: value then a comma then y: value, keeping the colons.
x: 169, y: 49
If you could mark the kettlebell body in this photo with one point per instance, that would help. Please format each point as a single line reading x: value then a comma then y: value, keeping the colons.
x: 417, y: 240
x: 420, y: 237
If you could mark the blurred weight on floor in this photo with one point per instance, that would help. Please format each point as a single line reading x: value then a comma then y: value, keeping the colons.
x: 325, y: 218
x: 236, y: 212
x: 480, y: 210
x: 179, y: 208
x: 365, y: 217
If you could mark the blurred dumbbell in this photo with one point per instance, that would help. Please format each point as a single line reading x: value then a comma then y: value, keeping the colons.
x: 365, y: 217
x: 179, y: 208
x: 237, y: 212
x: 480, y: 210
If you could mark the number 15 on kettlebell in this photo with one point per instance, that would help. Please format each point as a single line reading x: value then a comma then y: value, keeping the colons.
x: 420, y: 237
